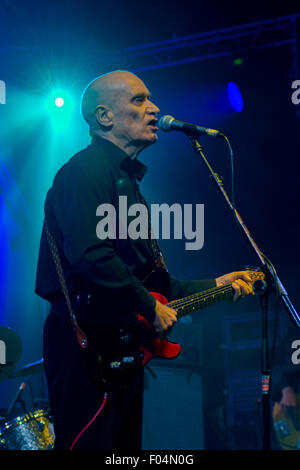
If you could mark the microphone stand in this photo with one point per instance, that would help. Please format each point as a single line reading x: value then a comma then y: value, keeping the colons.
x: 16, y: 399
x: 263, y: 289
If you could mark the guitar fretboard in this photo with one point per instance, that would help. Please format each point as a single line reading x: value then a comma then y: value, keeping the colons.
x: 200, y: 300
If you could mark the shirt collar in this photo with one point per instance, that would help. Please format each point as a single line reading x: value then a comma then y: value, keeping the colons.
x: 133, y: 167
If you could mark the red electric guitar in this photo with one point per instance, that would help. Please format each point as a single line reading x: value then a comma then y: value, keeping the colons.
x: 120, y: 349
x: 160, y: 346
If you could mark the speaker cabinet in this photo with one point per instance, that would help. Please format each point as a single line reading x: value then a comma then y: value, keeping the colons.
x: 173, y: 413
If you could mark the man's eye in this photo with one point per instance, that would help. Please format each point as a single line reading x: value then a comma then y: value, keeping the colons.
x: 139, y: 99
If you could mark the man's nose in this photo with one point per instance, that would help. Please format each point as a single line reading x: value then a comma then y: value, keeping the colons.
x: 153, y: 108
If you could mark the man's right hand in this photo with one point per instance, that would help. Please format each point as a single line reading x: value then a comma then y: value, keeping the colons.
x: 164, y: 317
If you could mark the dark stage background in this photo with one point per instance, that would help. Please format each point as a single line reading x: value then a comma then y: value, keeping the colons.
x: 211, y: 393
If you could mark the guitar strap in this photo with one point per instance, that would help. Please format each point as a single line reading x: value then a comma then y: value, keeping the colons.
x: 159, y: 263
x: 81, y: 337
x: 158, y: 258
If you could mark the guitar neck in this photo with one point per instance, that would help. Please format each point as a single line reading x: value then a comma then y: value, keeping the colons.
x: 203, y: 299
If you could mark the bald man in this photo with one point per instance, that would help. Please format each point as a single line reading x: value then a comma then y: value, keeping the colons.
x: 107, y: 278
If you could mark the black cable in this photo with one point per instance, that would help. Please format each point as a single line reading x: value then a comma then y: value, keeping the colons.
x: 232, y: 172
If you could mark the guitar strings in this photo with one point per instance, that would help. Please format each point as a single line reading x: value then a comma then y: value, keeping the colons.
x: 188, y: 301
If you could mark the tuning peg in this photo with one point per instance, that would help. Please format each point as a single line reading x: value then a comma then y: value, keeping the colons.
x: 252, y: 268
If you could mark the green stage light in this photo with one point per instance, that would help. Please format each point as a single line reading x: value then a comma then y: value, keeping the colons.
x: 238, y: 61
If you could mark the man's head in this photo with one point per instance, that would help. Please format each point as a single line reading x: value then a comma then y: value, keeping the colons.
x: 117, y: 107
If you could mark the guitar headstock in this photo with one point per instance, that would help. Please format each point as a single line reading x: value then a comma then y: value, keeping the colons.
x: 255, y: 273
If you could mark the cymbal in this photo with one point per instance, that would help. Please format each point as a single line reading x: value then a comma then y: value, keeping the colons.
x: 29, y: 369
x: 10, y: 351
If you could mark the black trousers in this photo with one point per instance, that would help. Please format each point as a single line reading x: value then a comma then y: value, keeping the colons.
x: 75, y: 399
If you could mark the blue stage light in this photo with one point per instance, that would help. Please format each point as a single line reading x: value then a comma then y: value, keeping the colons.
x: 235, y: 97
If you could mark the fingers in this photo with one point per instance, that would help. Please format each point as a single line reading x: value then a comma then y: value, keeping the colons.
x: 241, y: 282
x: 168, y: 318
x: 231, y: 277
x: 241, y: 288
x: 173, y: 314
x: 245, y: 276
x: 165, y: 317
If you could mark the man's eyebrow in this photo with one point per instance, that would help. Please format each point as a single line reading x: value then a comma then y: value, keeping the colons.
x: 141, y: 95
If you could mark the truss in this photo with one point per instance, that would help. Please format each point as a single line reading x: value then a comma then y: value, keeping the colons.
x: 224, y: 42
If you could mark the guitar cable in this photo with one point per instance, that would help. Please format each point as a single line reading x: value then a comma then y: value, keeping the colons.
x: 91, y: 421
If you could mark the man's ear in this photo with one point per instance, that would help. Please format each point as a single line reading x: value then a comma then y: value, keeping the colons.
x: 104, y: 116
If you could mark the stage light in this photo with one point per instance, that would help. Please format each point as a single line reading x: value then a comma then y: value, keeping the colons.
x: 59, y: 102
x: 59, y: 107
x: 238, y: 61
x: 235, y: 97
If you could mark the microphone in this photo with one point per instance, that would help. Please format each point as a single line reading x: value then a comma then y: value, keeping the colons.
x: 168, y: 123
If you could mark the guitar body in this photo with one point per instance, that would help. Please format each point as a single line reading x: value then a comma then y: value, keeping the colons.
x: 287, y: 426
x: 160, y: 347
x: 153, y: 346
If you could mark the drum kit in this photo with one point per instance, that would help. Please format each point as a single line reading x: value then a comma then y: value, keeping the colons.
x: 34, y: 429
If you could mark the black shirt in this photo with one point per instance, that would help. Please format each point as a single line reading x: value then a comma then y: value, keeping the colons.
x: 100, y: 174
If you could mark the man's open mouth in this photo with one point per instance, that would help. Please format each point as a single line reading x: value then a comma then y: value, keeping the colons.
x: 153, y: 123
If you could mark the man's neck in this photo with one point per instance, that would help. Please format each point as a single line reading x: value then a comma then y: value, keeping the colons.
x: 131, y: 150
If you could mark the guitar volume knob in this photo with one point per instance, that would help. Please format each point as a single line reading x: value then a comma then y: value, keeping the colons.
x: 125, y: 336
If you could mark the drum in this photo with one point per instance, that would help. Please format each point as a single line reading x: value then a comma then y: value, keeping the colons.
x: 31, y: 431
